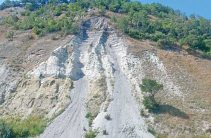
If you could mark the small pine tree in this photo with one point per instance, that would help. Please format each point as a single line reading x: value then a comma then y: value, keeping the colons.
x: 152, y: 87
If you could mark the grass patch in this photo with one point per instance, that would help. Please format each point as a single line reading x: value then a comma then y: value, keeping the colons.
x: 90, y: 117
x: 30, y: 127
x: 91, y: 134
x: 96, y: 96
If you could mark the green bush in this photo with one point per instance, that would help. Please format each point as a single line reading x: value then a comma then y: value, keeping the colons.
x: 10, y: 36
x: 102, y: 10
x: 107, y: 117
x: 91, y: 134
x: 104, y: 132
x: 5, y: 130
x: 57, y: 12
x: 164, y: 42
x: 25, y: 13
x: 16, y: 127
x: 10, y: 20
x: 158, y: 35
x: 123, y: 24
x: 142, y: 112
x: 88, y: 115
x: 113, y: 19
x: 38, y: 31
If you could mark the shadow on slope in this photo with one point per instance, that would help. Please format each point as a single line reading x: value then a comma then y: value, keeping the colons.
x: 168, y: 109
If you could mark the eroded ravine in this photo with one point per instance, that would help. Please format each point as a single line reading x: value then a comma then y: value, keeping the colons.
x: 100, y: 87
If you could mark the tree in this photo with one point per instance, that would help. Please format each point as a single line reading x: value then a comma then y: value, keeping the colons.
x: 140, y: 17
x: 123, y: 24
x: 151, y: 87
x: 102, y: 11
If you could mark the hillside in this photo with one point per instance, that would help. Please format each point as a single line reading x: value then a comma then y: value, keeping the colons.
x: 78, y: 70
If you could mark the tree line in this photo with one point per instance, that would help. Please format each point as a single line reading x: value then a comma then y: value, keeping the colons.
x: 141, y: 21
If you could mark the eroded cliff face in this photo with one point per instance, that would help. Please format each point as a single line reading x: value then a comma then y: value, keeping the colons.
x: 42, y: 91
x: 101, y: 87
x: 94, y: 73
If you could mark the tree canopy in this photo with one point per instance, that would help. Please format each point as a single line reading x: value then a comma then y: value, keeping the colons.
x: 141, y: 21
x: 151, y: 87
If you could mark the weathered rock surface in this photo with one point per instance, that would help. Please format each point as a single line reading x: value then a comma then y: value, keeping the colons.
x: 93, y: 73
x: 101, y: 89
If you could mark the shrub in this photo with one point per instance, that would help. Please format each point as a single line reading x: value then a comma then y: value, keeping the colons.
x: 57, y: 12
x: 113, y: 19
x: 91, y: 134
x: 90, y: 122
x: 158, y: 35
x: 32, y: 126
x: 142, y: 112
x: 88, y: 115
x: 38, y: 31
x: 102, y: 11
x: 25, y: 13
x: 107, y: 117
x: 5, y: 130
x: 10, y: 20
x: 10, y: 35
x: 163, y: 42
x: 104, y: 132
x: 15, y: 127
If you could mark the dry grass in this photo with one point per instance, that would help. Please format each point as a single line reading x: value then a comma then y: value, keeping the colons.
x: 193, y: 76
x: 189, y: 114
x: 27, y: 51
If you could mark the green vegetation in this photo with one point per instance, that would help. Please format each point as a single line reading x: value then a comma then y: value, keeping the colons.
x: 10, y: 35
x: 156, y: 22
x: 5, y: 130
x: 107, y: 117
x: 90, y: 117
x: 165, y: 26
x: 152, y: 88
x: 91, y: 134
x: 104, y: 132
x: 151, y: 130
x: 10, y: 20
x: 15, y: 127
x: 142, y: 112
x: 8, y: 3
